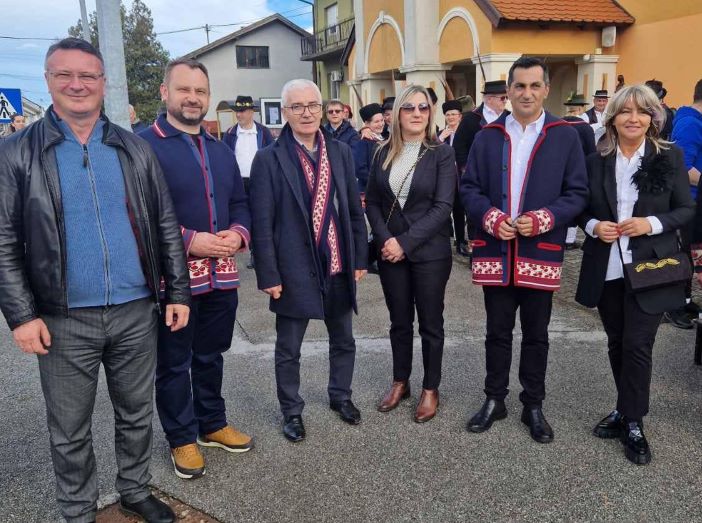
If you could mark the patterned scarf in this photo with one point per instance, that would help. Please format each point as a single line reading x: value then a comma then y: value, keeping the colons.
x: 324, y: 223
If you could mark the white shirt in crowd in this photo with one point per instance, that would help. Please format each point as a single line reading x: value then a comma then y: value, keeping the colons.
x: 522, y: 142
x: 595, y: 126
x: 246, y: 147
x: 627, y: 195
x: 489, y: 115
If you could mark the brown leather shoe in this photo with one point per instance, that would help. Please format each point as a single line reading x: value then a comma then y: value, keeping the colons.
x: 428, y: 403
x: 399, y: 391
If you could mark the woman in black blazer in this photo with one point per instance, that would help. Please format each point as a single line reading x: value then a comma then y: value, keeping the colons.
x: 408, y: 204
x: 639, y: 198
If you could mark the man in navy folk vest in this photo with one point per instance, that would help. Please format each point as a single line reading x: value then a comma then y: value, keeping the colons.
x: 213, y: 213
x: 309, y: 233
x: 87, y: 234
x: 525, y: 182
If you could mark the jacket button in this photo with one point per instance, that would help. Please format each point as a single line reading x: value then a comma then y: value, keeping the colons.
x: 211, y: 195
x: 312, y: 274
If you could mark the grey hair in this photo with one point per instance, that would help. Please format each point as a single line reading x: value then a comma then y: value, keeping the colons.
x: 299, y: 84
x: 644, y: 99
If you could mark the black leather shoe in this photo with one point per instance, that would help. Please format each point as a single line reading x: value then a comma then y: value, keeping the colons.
x: 347, y: 411
x: 636, y: 447
x: 678, y: 318
x: 293, y: 428
x: 151, y: 510
x: 539, y: 428
x: 462, y: 249
x: 609, y: 427
x: 491, y: 411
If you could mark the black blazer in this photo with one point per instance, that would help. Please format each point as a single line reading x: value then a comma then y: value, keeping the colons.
x: 423, y: 226
x: 663, y: 193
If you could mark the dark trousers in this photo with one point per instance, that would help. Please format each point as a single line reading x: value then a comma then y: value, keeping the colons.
x: 342, y: 349
x: 408, y: 285
x: 631, y: 333
x: 190, y: 368
x: 686, y: 234
x: 459, y: 220
x: 501, y: 304
x: 122, y: 338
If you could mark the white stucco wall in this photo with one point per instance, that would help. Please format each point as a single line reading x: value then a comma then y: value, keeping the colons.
x: 226, y: 81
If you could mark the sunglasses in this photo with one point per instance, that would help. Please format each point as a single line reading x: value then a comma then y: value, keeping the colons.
x: 409, y: 108
x: 334, y: 111
x: 502, y: 98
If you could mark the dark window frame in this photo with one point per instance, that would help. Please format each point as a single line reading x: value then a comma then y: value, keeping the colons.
x: 259, y: 59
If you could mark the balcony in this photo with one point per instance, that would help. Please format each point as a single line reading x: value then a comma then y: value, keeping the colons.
x: 328, y: 42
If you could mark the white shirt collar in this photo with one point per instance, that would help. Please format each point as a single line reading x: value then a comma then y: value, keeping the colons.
x: 489, y: 115
x: 637, y: 155
x: 537, y: 125
x: 240, y: 130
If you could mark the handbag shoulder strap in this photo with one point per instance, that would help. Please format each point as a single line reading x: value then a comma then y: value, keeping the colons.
x: 402, y: 185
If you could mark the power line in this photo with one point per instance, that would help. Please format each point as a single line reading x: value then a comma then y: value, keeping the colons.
x: 27, y: 38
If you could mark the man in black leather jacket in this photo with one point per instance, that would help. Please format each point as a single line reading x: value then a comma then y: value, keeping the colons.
x: 87, y: 236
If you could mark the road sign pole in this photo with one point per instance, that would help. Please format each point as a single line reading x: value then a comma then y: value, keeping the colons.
x: 112, y: 48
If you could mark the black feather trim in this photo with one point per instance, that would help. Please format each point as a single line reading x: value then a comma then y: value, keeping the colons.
x: 655, y: 175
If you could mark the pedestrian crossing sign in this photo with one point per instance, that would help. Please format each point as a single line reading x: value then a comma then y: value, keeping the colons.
x: 10, y: 103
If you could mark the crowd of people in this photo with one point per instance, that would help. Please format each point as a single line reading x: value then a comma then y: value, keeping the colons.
x: 122, y: 249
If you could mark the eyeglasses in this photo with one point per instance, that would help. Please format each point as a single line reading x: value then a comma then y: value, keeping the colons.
x: 502, y: 98
x: 334, y: 111
x: 409, y: 108
x: 299, y: 109
x: 64, y: 77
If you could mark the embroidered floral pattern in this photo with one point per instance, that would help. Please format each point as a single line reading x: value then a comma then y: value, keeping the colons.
x: 197, y: 268
x: 539, y: 270
x: 319, y: 188
x: 543, y: 220
x: 487, y: 267
x: 492, y: 219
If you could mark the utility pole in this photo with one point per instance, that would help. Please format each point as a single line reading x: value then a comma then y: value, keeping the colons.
x: 207, y: 32
x: 84, y: 18
x: 112, y: 47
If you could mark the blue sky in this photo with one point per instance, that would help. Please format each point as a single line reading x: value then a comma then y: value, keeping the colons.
x: 22, y: 61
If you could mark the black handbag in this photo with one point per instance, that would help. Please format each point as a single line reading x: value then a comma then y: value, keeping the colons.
x: 655, y: 273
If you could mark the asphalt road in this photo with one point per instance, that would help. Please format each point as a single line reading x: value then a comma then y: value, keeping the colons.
x: 390, y: 468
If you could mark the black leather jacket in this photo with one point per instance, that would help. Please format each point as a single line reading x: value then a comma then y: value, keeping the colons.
x: 32, y: 233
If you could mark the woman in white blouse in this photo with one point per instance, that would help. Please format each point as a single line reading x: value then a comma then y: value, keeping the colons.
x: 639, y: 197
x: 409, y: 198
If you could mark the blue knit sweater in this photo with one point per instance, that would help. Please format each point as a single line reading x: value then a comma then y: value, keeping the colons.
x: 103, y: 266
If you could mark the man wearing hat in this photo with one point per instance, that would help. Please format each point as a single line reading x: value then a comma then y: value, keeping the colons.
x: 494, y: 101
x: 575, y: 107
x: 595, y: 115
x: 245, y: 138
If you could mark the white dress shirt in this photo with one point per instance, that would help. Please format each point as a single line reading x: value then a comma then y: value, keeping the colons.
x: 522, y: 141
x: 246, y: 147
x: 595, y: 126
x: 627, y: 195
x: 489, y: 115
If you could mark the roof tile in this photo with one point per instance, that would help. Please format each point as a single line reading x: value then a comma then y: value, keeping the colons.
x: 582, y: 11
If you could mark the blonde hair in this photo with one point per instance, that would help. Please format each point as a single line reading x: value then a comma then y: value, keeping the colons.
x: 644, y: 99
x: 394, y: 144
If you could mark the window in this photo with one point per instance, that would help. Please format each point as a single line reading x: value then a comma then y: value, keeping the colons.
x: 252, y: 57
x: 334, y: 86
x: 331, y: 13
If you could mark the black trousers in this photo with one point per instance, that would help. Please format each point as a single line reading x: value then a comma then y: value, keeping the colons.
x: 501, y: 304
x: 459, y: 220
x: 631, y: 333
x: 686, y: 237
x: 408, y: 285
x: 342, y: 349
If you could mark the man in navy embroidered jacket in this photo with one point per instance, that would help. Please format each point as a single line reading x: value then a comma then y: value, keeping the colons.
x: 213, y: 212
x: 525, y: 181
x: 310, y: 238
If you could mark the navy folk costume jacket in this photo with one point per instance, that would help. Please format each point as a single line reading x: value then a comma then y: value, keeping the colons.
x: 208, y: 194
x: 554, y: 193
x: 286, y: 253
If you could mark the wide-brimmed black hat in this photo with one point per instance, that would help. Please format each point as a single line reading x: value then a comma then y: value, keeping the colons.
x: 369, y: 111
x: 388, y: 103
x: 601, y: 93
x: 242, y: 103
x: 451, y: 105
x: 495, y: 87
x: 576, y: 99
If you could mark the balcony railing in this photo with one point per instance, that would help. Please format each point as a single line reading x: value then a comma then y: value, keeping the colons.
x: 329, y: 40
